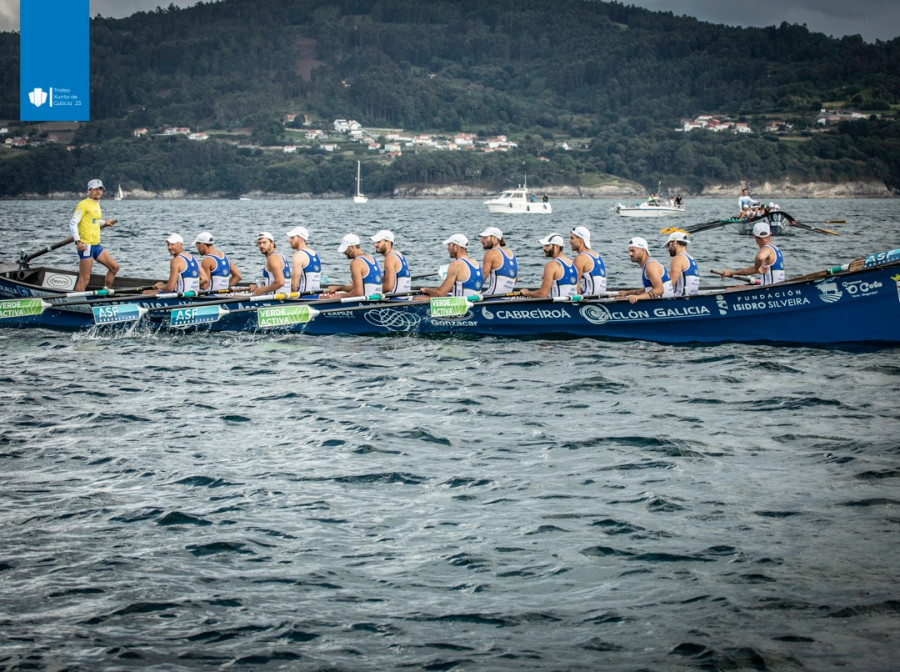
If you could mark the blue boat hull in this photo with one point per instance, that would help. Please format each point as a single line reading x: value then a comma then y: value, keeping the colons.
x: 851, y: 307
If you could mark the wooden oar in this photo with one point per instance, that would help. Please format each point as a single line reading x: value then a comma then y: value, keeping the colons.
x: 26, y: 258
x: 794, y: 222
x: 870, y: 261
x: 749, y: 279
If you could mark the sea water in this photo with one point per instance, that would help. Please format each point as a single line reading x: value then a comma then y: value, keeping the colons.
x: 288, y: 502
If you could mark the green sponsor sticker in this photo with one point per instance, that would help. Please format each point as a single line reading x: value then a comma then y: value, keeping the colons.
x: 279, y: 316
x: 21, y: 307
x: 449, y: 306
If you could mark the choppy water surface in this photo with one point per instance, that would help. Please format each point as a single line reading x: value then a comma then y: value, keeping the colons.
x: 260, y: 502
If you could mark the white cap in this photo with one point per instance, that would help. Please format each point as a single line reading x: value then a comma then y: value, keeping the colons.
x: 174, y: 238
x: 95, y: 184
x: 457, y: 239
x: 639, y: 243
x: 491, y: 231
x: 678, y: 237
x: 298, y: 231
x: 384, y: 234
x: 583, y: 233
x: 265, y: 234
x: 204, y: 237
x: 761, y: 230
x: 552, y: 239
x: 771, y: 204
x: 349, y: 240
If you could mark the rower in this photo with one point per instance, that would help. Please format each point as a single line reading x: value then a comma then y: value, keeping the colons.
x: 222, y: 272
x: 276, y: 272
x: 396, y: 278
x: 306, y: 268
x: 499, y: 266
x: 464, y: 275
x: 684, y: 274
x: 589, y: 266
x: 560, y: 277
x: 654, y: 276
x: 185, y: 273
x: 365, y: 275
x: 769, y: 262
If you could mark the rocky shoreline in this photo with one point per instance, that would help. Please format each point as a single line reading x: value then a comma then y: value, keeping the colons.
x: 612, y: 190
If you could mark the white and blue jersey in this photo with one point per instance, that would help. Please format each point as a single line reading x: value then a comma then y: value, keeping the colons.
x: 567, y: 285
x: 311, y: 277
x: 220, y: 276
x: 688, y: 282
x: 503, y: 280
x: 775, y: 272
x: 188, y: 279
x: 372, y: 278
x: 268, y: 279
x: 593, y: 281
x: 472, y: 284
x: 402, y: 280
x: 668, y: 292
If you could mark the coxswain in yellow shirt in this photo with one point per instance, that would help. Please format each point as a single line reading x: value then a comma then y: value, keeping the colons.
x: 85, y: 226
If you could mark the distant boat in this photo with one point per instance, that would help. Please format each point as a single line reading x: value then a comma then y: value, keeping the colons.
x: 517, y: 201
x: 358, y: 198
x: 119, y: 194
x: 652, y: 207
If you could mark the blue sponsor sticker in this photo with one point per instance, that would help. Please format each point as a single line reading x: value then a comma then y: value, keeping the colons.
x: 183, y: 317
x: 54, y: 60
x: 122, y: 312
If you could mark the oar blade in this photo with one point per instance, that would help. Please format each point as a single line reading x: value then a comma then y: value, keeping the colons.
x: 193, y: 315
x: 450, y: 306
x: 10, y: 308
x: 118, y: 313
x: 283, y: 316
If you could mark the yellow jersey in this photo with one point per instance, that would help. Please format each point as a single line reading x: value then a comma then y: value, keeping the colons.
x: 87, y: 219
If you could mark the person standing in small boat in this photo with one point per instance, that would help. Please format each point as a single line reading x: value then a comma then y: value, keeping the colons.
x: 684, y: 273
x: 222, y: 272
x: 464, y: 275
x: 500, y: 268
x: 276, y: 272
x: 588, y: 264
x: 365, y: 274
x: 654, y: 276
x: 560, y: 277
x: 306, y: 268
x: 769, y: 261
x: 85, y: 226
x: 396, y: 278
x: 185, y: 272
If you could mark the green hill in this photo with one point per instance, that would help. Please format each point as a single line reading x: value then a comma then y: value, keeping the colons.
x: 585, y: 89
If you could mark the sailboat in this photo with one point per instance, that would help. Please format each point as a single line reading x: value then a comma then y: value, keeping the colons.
x: 119, y: 194
x: 358, y: 198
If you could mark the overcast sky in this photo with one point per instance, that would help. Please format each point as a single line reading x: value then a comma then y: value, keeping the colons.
x: 873, y: 19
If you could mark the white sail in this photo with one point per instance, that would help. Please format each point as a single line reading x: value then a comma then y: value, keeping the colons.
x: 358, y: 198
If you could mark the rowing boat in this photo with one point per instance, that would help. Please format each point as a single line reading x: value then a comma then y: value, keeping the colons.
x: 855, y: 303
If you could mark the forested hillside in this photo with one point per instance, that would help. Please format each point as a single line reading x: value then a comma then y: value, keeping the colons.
x: 613, y: 82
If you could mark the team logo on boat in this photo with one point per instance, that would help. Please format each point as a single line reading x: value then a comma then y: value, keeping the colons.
x: 861, y: 287
x: 596, y: 314
x: 721, y: 304
x: 393, y: 320
x: 58, y: 281
x: 829, y: 292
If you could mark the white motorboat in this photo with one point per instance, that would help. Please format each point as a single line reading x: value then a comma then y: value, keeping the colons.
x: 518, y: 201
x: 358, y: 198
x: 650, y: 208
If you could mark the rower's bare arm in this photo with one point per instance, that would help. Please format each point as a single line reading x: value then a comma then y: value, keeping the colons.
x: 546, y: 283
x: 453, y: 271
x: 235, y: 275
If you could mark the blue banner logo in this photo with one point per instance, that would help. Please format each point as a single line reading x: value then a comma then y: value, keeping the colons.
x: 54, y: 60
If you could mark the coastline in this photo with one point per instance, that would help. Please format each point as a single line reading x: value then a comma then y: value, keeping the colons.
x: 612, y: 190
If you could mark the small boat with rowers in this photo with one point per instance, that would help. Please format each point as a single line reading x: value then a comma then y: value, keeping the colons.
x: 518, y: 201
x: 858, y: 302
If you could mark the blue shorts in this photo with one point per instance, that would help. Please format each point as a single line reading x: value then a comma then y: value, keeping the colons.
x: 92, y: 252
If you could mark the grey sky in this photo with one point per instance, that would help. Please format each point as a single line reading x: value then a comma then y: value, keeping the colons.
x: 873, y: 19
